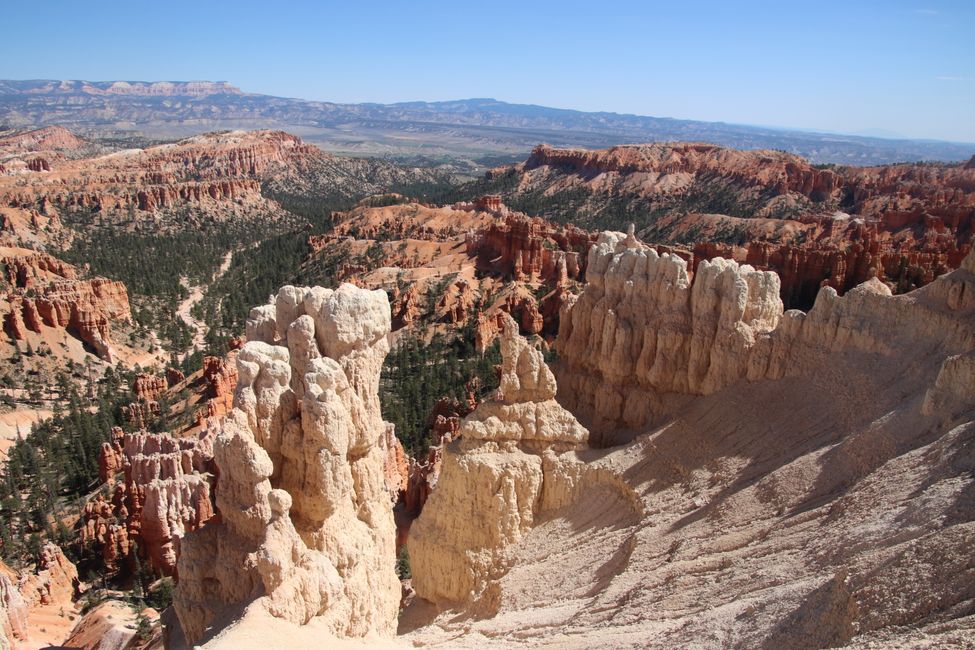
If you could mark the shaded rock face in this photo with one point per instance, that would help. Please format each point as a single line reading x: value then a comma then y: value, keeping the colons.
x: 513, y: 461
x: 306, y: 525
x: 46, y: 293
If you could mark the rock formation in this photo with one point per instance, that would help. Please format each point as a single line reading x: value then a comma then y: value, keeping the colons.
x: 784, y: 479
x: 213, y: 172
x: 525, y: 247
x: 510, y: 464
x: 164, y: 494
x: 642, y: 327
x: 839, y: 226
x: 221, y: 377
x: 174, y: 376
x: 49, y: 138
x: 45, y: 293
x: 13, y: 613
x: 28, y: 599
x: 306, y: 526
x: 55, y: 580
x: 844, y: 256
x: 148, y: 387
x: 660, y: 331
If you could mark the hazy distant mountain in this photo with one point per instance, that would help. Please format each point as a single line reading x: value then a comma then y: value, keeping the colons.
x: 476, y: 129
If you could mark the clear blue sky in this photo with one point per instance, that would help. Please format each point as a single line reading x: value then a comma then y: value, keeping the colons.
x: 901, y: 67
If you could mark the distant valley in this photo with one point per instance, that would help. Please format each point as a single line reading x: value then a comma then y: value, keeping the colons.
x: 468, y: 134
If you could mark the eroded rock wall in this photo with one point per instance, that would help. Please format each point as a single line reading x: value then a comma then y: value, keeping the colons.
x: 645, y: 330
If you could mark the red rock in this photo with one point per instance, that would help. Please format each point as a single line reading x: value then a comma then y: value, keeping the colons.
x: 110, y: 459
x: 56, y: 579
x: 47, y: 293
x: 525, y: 247
x: 174, y: 376
x: 165, y: 493
x: 148, y: 387
x: 405, y: 306
x: 221, y: 377
x: 457, y: 302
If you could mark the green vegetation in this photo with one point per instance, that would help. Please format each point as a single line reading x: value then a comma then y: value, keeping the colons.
x: 51, y: 469
x: 415, y: 375
x: 599, y: 210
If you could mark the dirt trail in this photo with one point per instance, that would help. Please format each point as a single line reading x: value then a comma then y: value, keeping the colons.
x: 184, y: 311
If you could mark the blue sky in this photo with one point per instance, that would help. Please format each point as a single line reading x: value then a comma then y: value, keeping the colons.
x: 900, y: 67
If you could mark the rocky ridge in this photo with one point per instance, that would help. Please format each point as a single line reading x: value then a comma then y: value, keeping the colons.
x: 837, y: 226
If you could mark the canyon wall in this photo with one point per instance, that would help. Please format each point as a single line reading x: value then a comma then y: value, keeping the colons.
x: 306, y: 526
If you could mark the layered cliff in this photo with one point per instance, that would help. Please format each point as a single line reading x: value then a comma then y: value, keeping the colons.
x: 218, y: 173
x: 837, y: 226
x: 306, y: 527
x: 45, y: 293
x: 767, y: 181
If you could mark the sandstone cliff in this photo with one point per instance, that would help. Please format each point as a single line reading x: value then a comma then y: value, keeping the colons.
x: 306, y: 527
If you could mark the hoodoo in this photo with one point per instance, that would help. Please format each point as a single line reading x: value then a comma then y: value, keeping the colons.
x: 306, y: 527
x: 514, y: 461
